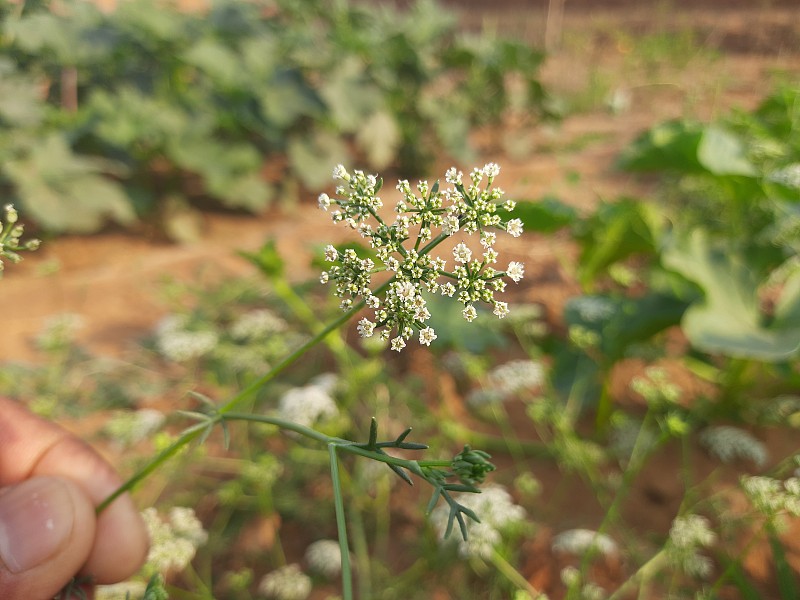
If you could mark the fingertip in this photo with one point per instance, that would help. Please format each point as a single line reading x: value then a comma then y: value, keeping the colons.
x: 47, y: 527
x: 121, y: 543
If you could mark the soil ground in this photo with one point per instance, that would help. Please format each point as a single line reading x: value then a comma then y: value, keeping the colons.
x: 648, y: 61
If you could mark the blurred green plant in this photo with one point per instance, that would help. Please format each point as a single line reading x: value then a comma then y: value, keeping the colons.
x: 238, y: 104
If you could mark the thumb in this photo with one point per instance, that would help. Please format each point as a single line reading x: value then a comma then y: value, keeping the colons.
x: 47, y: 528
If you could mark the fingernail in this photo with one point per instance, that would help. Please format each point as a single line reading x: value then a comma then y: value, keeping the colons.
x: 36, y: 518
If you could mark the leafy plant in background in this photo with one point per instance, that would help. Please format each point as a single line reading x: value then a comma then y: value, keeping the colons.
x: 224, y: 104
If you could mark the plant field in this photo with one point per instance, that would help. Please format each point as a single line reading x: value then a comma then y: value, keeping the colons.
x: 632, y: 418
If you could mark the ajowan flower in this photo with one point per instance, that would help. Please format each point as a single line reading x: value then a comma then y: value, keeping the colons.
x: 431, y: 214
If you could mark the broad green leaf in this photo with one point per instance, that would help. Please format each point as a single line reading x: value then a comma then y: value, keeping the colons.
x: 287, y: 97
x: 379, y: 137
x: 614, y: 232
x: 313, y: 157
x: 350, y: 96
x: 20, y: 98
x: 787, y: 308
x: 722, y: 153
x: 67, y: 192
x: 545, y: 216
x: 622, y: 322
x: 218, y: 61
x: 453, y: 331
x: 668, y: 146
x: 728, y: 320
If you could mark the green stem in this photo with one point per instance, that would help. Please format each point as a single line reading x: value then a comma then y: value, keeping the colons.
x: 190, y: 435
x: 643, y: 573
x: 341, y: 526
x: 514, y: 576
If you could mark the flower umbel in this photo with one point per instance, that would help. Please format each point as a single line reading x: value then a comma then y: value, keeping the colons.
x: 424, y: 218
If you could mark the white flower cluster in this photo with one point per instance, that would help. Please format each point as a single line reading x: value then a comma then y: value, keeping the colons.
x: 517, y: 376
x: 729, y: 443
x: 128, y: 428
x: 10, y: 234
x: 286, y: 583
x: 401, y: 309
x: 497, y: 512
x: 788, y: 176
x: 173, y: 542
x: 308, y: 404
x: 687, y: 536
x: 579, y: 541
x: 772, y: 496
x: 175, y: 342
x: 257, y: 324
x: 324, y: 557
x: 572, y: 578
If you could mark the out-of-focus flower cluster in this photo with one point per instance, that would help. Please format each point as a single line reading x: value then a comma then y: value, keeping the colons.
x: 310, y: 403
x: 424, y: 218
x: 174, y: 541
x: 580, y: 541
x: 788, y: 176
x: 688, y: 535
x: 325, y: 558
x: 247, y: 343
x: 498, y: 513
x: 286, y: 583
x: 128, y: 428
x: 729, y: 443
x: 10, y: 233
x: 772, y: 497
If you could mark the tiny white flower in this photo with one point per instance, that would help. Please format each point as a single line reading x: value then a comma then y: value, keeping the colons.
x: 453, y: 176
x: 373, y: 302
x: 500, y: 309
x: 331, y: 253
x: 462, y: 253
x: 488, y: 238
x: 426, y: 336
x: 339, y: 172
x: 324, y: 201
x: 392, y: 264
x: 514, y: 227
x: 398, y: 343
x: 469, y: 313
x: 324, y: 277
x: 450, y: 225
x: 448, y: 289
x: 491, y: 170
x: 366, y: 328
x: 515, y: 271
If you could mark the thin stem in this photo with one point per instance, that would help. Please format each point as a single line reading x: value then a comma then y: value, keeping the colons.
x: 642, y: 574
x: 341, y: 526
x: 514, y: 576
x: 190, y: 435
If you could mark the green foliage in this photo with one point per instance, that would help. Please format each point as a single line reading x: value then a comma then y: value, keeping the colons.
x: 724, y: 235
x: 202, y: 105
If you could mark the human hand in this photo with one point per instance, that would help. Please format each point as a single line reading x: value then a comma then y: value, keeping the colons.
x: 50, y: 484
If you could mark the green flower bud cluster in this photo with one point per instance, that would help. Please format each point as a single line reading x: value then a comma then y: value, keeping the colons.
x: 10, y: 234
